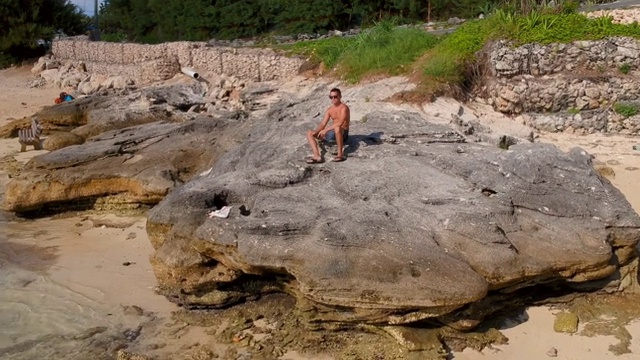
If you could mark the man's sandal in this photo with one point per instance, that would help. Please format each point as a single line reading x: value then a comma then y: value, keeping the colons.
x: 339, y: 159
x: 314, y: 161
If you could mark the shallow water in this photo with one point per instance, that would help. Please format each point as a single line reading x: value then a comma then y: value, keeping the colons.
x: 34, y: 305
x: 64, y: 291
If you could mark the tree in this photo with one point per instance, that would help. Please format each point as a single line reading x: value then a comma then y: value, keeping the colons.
x: 26, y: 24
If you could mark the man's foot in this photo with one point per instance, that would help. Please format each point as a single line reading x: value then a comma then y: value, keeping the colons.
x: 314, y: 161
x: 339, y: 158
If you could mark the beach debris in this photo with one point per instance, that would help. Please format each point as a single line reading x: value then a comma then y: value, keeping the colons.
x: 132, y: 334
x: 221, y: 213
x: 553, y: 352
x: 127, y: 263
x: 636, y: 147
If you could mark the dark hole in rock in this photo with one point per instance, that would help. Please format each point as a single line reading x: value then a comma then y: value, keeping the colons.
x: 244, y: 211
x: 210, y: 263
x: 488, y: 192
x: 97, y: 203
x: 218, y: 201
x: 506, y: 141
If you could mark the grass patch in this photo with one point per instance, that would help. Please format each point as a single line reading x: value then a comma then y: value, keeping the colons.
x: 564, y: 28
x: 446, y: 62
x: 450, y: 61
x: 624, y: 68
x: 327, y: 51
x: 384, y: 48
x: 626, y: 110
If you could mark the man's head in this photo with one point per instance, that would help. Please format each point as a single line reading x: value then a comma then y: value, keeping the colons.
x: 62, y: 95
x: 335, y: 95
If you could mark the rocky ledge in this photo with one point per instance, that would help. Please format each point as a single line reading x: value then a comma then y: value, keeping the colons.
x: 123, y: 150
x: 426, y: 219
x: 421, y: 222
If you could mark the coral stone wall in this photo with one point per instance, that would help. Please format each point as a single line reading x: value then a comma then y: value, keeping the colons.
x: 148, y: 63
x: 566, y: 86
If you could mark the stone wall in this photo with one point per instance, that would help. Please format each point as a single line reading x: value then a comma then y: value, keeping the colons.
x: 565, y: 86
x: 148, y: 63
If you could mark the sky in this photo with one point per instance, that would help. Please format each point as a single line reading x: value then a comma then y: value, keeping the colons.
x: 85, y: 5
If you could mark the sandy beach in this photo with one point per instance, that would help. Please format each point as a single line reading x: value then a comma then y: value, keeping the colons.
x: 66, y: 274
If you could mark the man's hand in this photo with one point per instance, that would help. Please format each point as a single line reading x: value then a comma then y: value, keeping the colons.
x: 322, y: 133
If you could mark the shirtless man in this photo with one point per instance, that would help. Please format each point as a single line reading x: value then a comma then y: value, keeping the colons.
x: 338, y: 131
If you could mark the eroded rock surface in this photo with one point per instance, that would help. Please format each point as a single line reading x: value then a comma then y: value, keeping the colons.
x: 419, y: 222
x: 93, y: 115
x: 136, y: 165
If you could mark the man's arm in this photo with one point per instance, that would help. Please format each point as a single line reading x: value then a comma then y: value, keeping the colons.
x: 323, y: 124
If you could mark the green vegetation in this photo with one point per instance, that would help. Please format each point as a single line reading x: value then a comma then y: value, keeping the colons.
x: 451, y: 59
x: 448, y: 61
x: 625, y: 109
x: 624, y: 68
x: 25, y: 25
x: 154, y: 21
x: 383, y: 48
x: 573, y: 111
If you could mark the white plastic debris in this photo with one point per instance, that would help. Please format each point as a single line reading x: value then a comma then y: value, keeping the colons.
x: 222, y: 213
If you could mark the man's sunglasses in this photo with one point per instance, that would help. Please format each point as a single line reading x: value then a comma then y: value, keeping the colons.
x: 333, y: 97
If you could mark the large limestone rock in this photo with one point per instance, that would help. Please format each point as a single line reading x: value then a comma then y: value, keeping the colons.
x: 133, y: 166
x: 418, y: 223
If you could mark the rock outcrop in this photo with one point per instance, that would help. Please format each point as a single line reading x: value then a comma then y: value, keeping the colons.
x: 424, y: 220
x: 178, y: 100
x: 135, y: 166
x: 420, y: 222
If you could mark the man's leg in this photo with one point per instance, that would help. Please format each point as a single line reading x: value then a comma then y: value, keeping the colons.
x: 340, y: 143
x: 314, y: 145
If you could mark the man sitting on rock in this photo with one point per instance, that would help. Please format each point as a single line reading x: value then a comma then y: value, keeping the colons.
x: 338, y: 132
